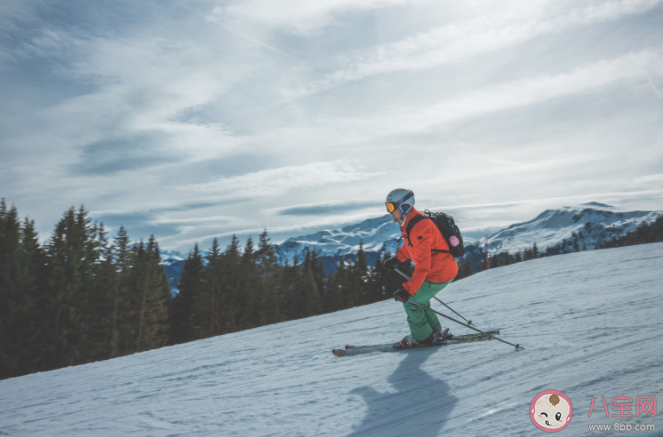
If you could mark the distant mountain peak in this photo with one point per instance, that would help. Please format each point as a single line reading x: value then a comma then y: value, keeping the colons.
x: 597, y: 205
x: 585, y: 225
x: 595, y: 222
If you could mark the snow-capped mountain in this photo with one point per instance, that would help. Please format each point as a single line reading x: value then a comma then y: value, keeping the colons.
x: 377, y: 234
x: 588, y: 339
x: 591, y: 223
x: 569, y: 229
x: 584, y: 226
x: 169, y: 257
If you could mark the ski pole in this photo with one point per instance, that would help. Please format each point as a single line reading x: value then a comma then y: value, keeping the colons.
x: 517, y: 346
x: 469, y: 322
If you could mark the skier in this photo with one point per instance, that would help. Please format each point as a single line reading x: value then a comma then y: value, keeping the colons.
x: 433, y: 270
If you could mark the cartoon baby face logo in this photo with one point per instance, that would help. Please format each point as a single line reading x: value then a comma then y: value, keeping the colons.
x: 551, y: 411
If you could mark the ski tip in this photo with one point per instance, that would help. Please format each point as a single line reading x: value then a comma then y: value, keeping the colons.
x: 339, y: 352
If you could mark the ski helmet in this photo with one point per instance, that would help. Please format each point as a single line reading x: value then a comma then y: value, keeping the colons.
x: 400, y: 198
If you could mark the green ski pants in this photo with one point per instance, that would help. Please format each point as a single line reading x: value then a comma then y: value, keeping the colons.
x: 423, y: 323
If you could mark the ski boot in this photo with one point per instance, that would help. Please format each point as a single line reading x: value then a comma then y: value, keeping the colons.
x: 443, y: 336
x: 409, y: 342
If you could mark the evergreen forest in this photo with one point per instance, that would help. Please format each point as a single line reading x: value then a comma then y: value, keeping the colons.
x: 82, y: 296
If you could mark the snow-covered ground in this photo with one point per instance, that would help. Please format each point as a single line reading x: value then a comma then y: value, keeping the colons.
x: 590, y: 322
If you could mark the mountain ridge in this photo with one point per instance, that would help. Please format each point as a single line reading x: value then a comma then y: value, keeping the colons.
x: 567, y: 229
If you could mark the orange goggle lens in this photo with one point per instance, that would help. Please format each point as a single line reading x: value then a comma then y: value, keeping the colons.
x: 391, y: 206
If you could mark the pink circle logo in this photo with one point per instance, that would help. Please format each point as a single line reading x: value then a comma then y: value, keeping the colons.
x: 551, y: 411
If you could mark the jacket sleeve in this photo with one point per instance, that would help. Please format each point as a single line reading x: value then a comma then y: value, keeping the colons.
x: 404, y: 252
x: 422, y: 237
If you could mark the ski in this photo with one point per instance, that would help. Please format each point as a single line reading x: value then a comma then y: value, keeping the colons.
x: 389, y: 347
x: 465, y: 337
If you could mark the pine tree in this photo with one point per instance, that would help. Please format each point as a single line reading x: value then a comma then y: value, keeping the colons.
x: 311, y: 294
x: 336, y: 293
x: 232, y: 281
x: 71, y: 254
x: 527, y: 254
x: 292, y: 279
x: 361, y: 276
x: 207, y: 306
x: 248, y: 311
x: 182, y: 305
x: 99, y: 303
x: 377, y: 282
x: 467, y: 268
x: 123, y: 311
x: 270, y: 285
x: 459, y: 275
x: 645, y: 233
x: 345, y: 273
x: 318, y: 270
x: 151, y: 285
x: 12, y: 305
x: 32, y: 276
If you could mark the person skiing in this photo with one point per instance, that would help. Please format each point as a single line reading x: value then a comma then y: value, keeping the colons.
x: 433, y: 270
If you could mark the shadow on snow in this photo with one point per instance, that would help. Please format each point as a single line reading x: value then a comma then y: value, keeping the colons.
x: 421, y: 405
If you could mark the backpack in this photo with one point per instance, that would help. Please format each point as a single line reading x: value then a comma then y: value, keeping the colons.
x: 445, y: 223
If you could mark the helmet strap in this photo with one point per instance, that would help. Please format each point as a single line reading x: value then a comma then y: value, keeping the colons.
x: 404, y: 215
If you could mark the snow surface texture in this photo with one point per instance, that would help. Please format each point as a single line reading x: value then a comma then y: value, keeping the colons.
x: 590, y: 323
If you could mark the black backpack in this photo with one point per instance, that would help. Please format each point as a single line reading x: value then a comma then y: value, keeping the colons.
x: 445, y: 223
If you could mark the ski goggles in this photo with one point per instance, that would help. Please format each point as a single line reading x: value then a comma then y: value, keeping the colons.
x: 392, y: 206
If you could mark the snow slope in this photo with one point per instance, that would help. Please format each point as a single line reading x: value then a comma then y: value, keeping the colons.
x: 590, y: 323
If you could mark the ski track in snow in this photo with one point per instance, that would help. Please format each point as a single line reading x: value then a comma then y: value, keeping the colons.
x: 590, y: 323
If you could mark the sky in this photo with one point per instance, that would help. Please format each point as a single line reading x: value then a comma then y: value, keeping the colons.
x: 194, y: 120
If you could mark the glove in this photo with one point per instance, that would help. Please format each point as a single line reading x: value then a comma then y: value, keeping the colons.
x: 391, y: 263
x: 401, y: 295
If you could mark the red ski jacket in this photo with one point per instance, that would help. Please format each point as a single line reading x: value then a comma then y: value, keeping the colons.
x: 432, y: 266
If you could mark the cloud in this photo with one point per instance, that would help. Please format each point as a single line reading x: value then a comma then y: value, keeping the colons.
x: 326, y: 209
x: 278, y: 181
x: 461, y: 41
x: 113, y: 156
x: 139, y: 101
x: 520, y: 93
x: 188, y: 120
x: 139, y: 225
x: 164, y: 222
x: 298, y: 16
